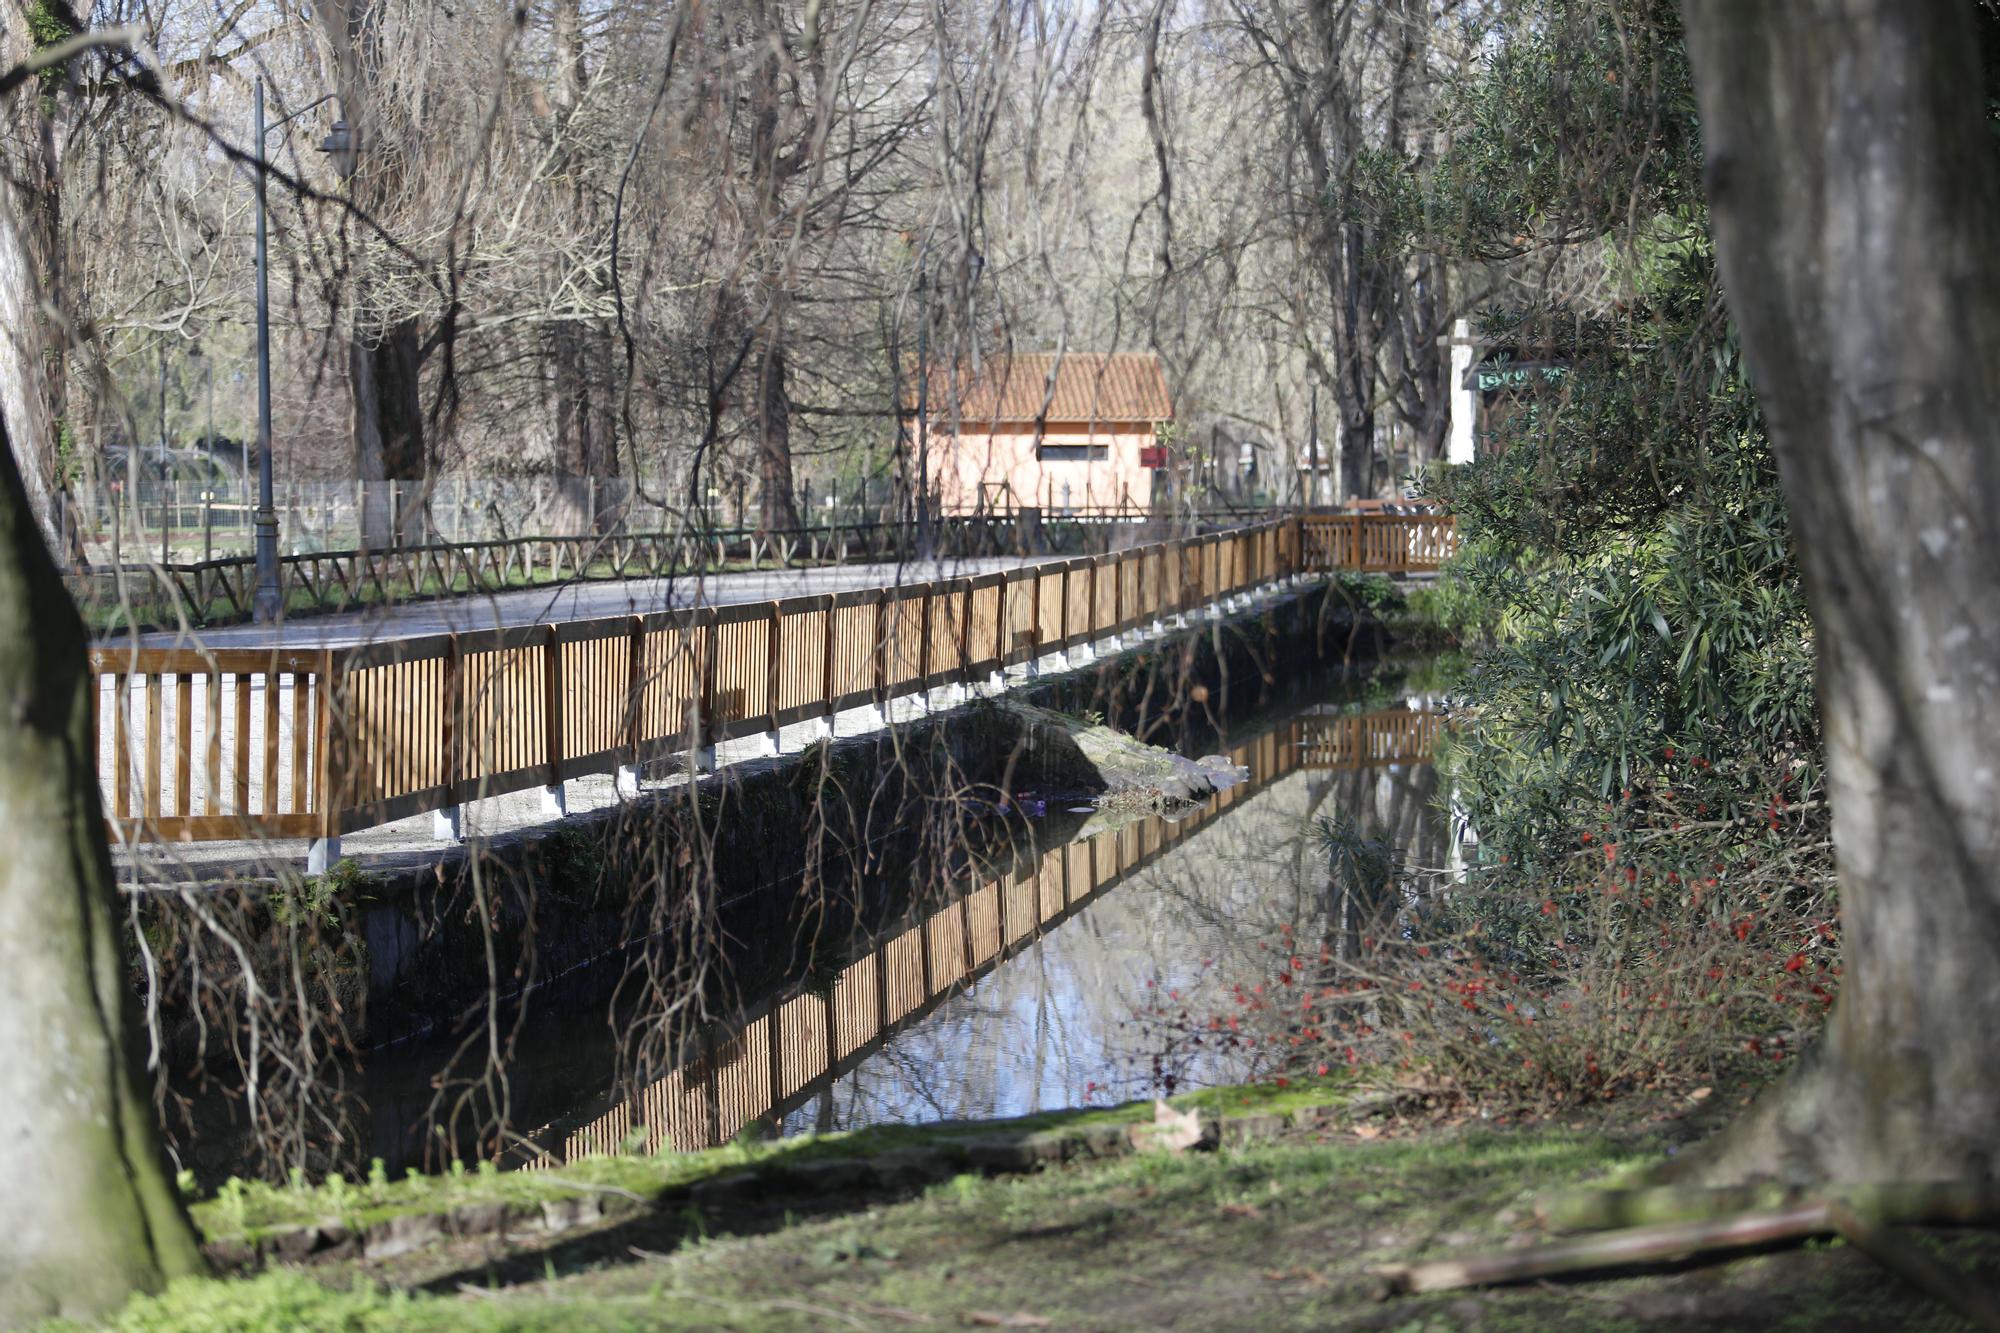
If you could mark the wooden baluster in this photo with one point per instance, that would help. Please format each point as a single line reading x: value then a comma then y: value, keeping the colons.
x: 924, y: 638
x: 150, y: 776
x: 965, y: 632
x: 270, y: 803
x: 240, y: 751
x: 552, y: 704
x: 183, y: 742
x: 212, y: 724
x: 711, y: 641
x: 327, y: 763
x: 1000, y: 622
x: 1062, y: 607
x: 882, y: 652
x: 635, y: 687
x: 774, y: 658
x: 829, y: 618
x: 301, y: 740
x: 451, y: 724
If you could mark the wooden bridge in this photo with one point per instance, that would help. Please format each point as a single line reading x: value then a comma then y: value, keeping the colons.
x: 200, y: 744
x: 784, y: 1051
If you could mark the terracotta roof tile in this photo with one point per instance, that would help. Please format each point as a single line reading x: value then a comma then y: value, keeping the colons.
x: 1040, y: 386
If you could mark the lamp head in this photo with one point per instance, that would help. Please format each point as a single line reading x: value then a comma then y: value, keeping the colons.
x: 340, y: 144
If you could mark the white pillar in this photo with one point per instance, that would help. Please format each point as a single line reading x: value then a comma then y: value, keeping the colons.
x: 1459, y: 447
x: 322, y: 856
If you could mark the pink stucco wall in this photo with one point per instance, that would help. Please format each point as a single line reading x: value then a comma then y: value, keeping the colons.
x: 967, y: 466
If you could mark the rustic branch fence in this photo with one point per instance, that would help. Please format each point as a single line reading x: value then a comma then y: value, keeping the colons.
x: 200, y: 744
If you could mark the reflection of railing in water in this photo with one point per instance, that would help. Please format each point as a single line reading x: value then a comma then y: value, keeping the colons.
x: 1364, y: 740
x: 787, y: 1050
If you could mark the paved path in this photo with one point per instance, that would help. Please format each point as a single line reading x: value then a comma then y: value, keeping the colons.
x: 574, y: 601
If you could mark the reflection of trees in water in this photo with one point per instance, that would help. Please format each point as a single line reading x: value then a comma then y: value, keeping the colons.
x: 1039, y: 1032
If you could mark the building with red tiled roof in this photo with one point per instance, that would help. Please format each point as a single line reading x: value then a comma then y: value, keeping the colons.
x: 1071, y: 431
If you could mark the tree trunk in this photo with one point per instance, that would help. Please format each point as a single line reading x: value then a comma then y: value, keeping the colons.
x: 584, y: 421
x: 579, y: 352
x: 777, y: 509
x: 1357, y: 451
x: 90, y: 1214
x: 386, y: 381
x: 1852, y: 182
x: 385, y: 365
x: 31, y: 347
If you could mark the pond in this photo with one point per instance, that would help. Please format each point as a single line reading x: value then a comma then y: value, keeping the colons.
x: 1031, y: 990
x: 1046, y: 975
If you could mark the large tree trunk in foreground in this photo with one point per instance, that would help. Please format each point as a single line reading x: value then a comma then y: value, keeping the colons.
x: 90, y: 1213
x: 31, y: 360
x: 1852, y: 182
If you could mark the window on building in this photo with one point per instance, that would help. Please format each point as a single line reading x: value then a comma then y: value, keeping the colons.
x: 1072, y: 453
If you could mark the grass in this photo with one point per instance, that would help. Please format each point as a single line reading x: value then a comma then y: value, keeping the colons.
x: 1276, y: 1235
x: 250, y: 1210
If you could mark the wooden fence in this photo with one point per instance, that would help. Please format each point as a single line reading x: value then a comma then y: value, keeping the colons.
x: 783, y: 1051
x: 1378, y: 543
x: 200, y: 744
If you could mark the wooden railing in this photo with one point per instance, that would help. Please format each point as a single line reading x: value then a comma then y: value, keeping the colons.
x: 197, y: 744
x: 781, y: 1052
x: 1378, y: 543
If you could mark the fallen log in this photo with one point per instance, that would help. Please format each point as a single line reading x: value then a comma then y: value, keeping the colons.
x: 1611, y: 1249
x: 1889, y: 1203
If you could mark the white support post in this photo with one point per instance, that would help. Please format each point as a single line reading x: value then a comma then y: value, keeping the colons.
x: 323, y: 855
x: 555, y: 800
x: 448, y: 824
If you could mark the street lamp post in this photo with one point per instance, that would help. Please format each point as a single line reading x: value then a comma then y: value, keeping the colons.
x: 268, y: 599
